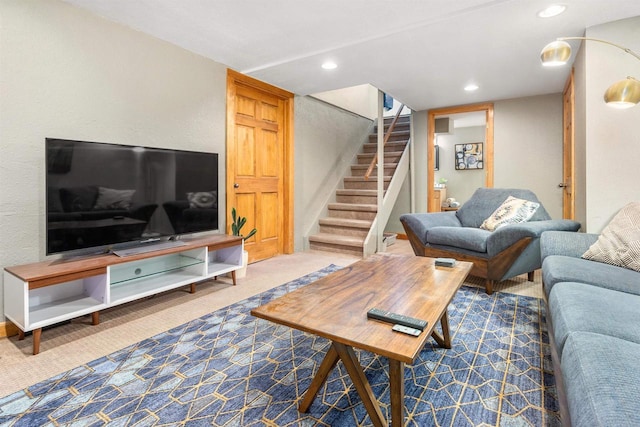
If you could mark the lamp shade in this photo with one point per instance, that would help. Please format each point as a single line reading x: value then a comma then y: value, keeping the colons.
x: 623, y: 94
x: 555, y: 53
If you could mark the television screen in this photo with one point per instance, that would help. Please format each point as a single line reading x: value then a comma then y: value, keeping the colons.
x: 101, y: 195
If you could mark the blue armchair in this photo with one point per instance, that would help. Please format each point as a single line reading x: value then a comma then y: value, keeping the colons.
x: 498, y: 255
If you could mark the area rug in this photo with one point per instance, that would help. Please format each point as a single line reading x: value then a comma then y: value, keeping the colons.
x: 230, y: 369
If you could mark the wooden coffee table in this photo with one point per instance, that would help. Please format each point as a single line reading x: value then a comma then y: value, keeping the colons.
x: 335, y: 307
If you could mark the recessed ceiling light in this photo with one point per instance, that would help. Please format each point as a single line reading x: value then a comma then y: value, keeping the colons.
x: 553, y: 10
x: 471, y: 87
x: 329, y: 65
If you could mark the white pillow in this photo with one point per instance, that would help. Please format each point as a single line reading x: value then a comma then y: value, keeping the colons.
x: 511, y: 211
x: 619, y: 242
x: 110, y: 198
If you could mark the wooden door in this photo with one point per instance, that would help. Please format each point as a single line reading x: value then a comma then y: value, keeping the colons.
x: 568, y: 146
x: 259, y: 164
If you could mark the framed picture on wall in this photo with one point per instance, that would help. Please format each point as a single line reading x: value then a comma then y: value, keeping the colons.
x: 468, y: 156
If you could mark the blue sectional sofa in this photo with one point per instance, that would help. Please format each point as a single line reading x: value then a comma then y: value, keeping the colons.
x: 593, y: 317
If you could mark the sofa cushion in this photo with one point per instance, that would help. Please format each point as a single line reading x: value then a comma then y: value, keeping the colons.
x: 619, y: 243
x: 78, y: 198
x: 421, y: 223
x: 110, y: 198
x: 473, y: 239
x: 511, y: 211
x: 486, y: 200
x: 580, y: 307
x: 565, y: 243
x: 559, y: 268
x: 601, y: 382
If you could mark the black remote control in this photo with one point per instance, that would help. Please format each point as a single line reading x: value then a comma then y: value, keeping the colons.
x: 445, y: 262
x: 395, y: 318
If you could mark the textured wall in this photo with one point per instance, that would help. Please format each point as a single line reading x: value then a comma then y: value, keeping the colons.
x: 528, y: 147
x: 326, y: 141
x: 461, y: 183
x: 66, y: 73
x: 611, y: 136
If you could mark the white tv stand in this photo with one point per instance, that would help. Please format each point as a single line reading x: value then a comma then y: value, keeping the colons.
x: 49, y: 292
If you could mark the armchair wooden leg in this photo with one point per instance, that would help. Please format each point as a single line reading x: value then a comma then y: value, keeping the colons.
x: 530, y: 276
x: 488, y: 284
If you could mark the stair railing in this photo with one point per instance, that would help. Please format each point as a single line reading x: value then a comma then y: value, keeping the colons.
x: 370, y: 245
x: 386, y: 139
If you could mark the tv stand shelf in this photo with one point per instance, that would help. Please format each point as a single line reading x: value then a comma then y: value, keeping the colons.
x: 49, y: 292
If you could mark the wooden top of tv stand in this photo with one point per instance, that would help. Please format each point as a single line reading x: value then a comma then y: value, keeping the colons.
x: 50, y: 271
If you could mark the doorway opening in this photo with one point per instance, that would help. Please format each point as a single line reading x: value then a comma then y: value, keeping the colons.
x: 448, y: 158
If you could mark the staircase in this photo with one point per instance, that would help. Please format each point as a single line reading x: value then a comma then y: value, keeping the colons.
x: 350, y: 218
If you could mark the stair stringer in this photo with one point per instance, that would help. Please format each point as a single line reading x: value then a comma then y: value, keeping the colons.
x: 370, y: 245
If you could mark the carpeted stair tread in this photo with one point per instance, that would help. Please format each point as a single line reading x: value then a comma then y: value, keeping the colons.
x: 363, y: 179
x: 395, y: 132
x: 389, y: 146
x: 357, y: 192
x: 386, y: 165
x: 337, y: 239
x: 346, y: 222
x: 353, y: 207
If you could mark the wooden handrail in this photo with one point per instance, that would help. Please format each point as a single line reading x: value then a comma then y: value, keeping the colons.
x: 384, y: 142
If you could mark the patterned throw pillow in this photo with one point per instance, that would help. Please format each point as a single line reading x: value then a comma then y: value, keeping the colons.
x: 619, y: 243
x: 511, y: 211
x: 203, y: 199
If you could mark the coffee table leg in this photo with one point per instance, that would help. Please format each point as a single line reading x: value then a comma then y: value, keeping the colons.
x: 396, y: 389
x: 348, y: 357
x: 328, y: 363
x: 444, y: 340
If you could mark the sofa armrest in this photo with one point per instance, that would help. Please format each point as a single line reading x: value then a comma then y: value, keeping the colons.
x: 565, y: 243
x: 420, y: 223
x: 507, y: 235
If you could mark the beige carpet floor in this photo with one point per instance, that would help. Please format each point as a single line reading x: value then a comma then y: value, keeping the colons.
x: 67, y: 346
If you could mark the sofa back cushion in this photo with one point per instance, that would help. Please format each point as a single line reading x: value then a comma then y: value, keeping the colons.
x: 485, y: 201
x: 78, y: 199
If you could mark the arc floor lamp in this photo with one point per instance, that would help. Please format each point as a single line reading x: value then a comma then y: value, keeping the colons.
x: 622, y: 94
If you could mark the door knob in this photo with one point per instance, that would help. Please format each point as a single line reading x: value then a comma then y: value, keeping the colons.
x: 236, y: 185
x: 562, y: 185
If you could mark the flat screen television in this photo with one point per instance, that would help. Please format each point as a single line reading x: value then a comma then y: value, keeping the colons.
x: 103, y: 196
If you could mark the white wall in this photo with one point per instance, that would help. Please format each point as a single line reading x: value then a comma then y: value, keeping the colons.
x: 460, y: 183
x: 361, y: 99
x: 326, y: 141
x: 528, y: 147
x: 66, y: 73
x: 528, y: 153
x: 611, y: 136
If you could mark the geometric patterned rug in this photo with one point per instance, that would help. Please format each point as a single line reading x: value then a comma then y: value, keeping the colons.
x: 231, y: 369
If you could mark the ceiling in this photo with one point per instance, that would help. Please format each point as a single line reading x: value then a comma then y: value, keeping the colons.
x: 422, y: 52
